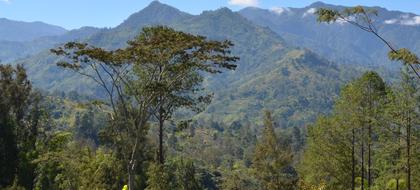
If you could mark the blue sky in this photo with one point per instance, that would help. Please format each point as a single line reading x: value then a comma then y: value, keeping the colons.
x: 108, y: 13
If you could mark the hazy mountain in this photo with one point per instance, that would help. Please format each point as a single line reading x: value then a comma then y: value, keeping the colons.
x: 296, y: 84
x: 339, y: 41
x: 12, y: 50
x: 154, y: 14
x: 26, y: 31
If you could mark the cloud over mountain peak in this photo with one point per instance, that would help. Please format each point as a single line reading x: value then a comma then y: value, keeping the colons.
x: 245, y: 3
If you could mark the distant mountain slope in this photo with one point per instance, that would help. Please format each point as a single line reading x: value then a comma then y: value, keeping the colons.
x: 154, y: 14
x: 12, y: 50
x: 295, y: 83
x: 340, y: 42
x: 26, y: 31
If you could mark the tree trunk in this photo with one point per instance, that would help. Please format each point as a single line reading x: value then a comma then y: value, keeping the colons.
x: 353, y: 165
x: 370, y: 157
x: 409, y: 153
x: 131, y: 166
x: 130, y: 178
x: 161, y: 123
x: 369, y: 174
x: 363, y: 160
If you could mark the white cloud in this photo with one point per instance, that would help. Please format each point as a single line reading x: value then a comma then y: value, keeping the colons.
x: 280, y: 10
x: 391, y: 21
x: 415, y: 20
x: 310, y: 11
x: 405, y: 19
x: 245, y: 3
x: 6, y: 1
x: 343, y: 22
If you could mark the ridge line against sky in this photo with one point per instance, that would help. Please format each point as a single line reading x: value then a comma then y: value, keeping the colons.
x: 72, y: 14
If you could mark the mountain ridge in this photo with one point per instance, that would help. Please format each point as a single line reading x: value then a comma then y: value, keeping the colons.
x: 340, y: 42
x: 21, y: 31
x: 268, y: 64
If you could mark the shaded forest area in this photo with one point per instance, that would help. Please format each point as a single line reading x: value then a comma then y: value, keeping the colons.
x: 142, y: 135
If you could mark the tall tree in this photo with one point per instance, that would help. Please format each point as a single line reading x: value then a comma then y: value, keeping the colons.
x: 405, y: 116
x: 353, y: 127
x: 272, y: 160
x: 172, y: 64
x: 135, y: 95
x: 20, y: 117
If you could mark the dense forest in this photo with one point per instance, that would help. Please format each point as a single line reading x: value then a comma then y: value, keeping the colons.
x: 155, y: 116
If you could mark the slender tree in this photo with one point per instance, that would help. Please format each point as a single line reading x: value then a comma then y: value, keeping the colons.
x: 405, y: 116
x: 272, y: 159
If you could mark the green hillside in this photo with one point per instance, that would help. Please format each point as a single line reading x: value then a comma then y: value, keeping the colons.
x: 296, y: 84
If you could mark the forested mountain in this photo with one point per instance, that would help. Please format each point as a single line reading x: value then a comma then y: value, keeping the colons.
x: 223, y: 100
x: 16, y: 37
x: 26, y: 31
x: 13, y: 50
x: 340, y: 42
x: 260, y: 51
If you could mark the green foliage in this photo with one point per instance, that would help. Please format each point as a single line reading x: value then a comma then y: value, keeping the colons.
x: 272, y: 160
x: 65, y: 164
x: 404, y: 55
x: 327, y: 15
x: 240, y: 177
x: 20, y: 122
x: 365, y: 120
x: 170, y: 65
x: 177, y: 173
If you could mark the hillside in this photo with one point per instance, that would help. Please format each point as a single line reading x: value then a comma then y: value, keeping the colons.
x: 26, y: 31
x: 340, y: 42
x: 260, y: 49
x: 13, y: 50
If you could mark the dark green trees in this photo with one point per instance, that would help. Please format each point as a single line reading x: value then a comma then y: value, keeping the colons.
x: 403, y: 116
x: 19, y: 121
x: 364, y: 143
x: 273, y: 160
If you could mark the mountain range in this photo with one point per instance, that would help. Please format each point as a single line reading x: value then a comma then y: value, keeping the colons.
x: 286, y: 65
x: 340, y: 41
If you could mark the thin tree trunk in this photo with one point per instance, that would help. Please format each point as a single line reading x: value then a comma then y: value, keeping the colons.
x: 132, y: 166
x: 363, y: 160
x: 353, y: 165
x: 408, y: 153
x: 161, y: 123
x: 370, y: 157
x: 398, y: 156
x: 130, y: 179
x: 370, y: 138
